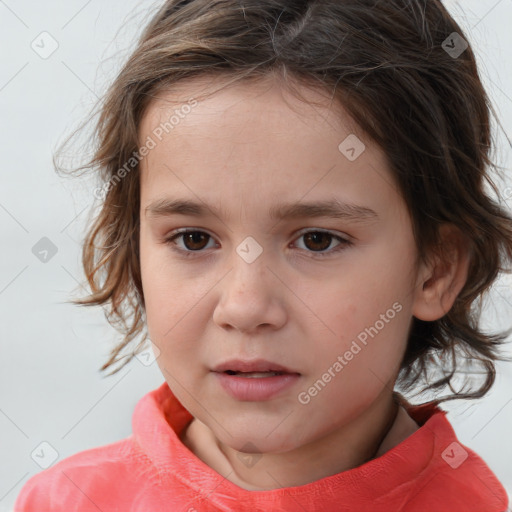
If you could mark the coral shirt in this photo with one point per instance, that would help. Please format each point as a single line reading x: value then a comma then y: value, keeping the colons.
x: 153, y: 471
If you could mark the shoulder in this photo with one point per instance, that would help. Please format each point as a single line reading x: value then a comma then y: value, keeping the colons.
x: 457, y: 478
x: 81, y: 481
x: 470, y: 487
x: 450, y: 475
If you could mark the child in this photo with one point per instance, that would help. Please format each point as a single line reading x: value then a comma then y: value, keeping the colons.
x: 238, y: 135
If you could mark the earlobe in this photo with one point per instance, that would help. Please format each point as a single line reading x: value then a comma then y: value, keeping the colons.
x: 443, y: 277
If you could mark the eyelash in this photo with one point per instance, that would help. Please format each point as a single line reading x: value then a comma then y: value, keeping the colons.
x: 344, y: 243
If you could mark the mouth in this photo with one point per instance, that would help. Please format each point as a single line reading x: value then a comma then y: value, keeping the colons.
x: 257, y: 368
x: 256, y: 380
x: 254, y: 375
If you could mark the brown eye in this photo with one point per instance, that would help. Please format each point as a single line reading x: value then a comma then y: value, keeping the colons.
x: 317, y: 240
x: 318, y: 243
x: 191, y: 241
x: 194, y: 241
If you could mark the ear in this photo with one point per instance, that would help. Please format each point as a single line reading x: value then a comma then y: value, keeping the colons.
x: 441, y: 279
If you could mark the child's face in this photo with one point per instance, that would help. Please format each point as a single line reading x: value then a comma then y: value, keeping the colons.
x: 341, y: 321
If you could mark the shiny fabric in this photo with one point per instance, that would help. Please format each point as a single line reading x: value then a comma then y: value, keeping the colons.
x: 153, y: 471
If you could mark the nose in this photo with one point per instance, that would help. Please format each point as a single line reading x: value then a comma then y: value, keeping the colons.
x: 252, y: 297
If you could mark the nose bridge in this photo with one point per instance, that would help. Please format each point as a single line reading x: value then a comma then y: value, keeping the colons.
x: 250, y: 261
x: 250, y: 250
x: 249, y: 292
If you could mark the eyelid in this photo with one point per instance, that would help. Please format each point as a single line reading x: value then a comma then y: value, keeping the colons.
x: 332, y: 232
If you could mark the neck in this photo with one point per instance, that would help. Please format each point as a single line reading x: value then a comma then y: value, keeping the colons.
x: 339, y: 450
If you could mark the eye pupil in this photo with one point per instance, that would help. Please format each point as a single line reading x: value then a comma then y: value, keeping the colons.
x: 194, y: 237
x: 317, y: 236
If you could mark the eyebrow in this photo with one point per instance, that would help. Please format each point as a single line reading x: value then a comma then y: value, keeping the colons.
x: 331, y: 209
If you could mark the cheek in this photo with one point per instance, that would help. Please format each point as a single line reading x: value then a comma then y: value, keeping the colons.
x: 176, y: 306
x: 164, y: 294
x: 374, y: 344
x: 368, y: 314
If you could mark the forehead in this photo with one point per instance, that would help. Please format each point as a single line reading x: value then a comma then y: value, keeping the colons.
x: 253, y: 140
x: 264, y: 97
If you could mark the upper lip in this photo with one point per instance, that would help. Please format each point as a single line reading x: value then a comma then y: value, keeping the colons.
x: 256, y: 365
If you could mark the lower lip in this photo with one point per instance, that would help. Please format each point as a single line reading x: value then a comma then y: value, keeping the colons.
x: 257, y: 389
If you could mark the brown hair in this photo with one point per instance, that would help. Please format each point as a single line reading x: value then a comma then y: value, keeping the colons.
x: 385, y: 62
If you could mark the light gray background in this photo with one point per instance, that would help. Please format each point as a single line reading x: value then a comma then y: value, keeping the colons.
x: 50, y: 387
